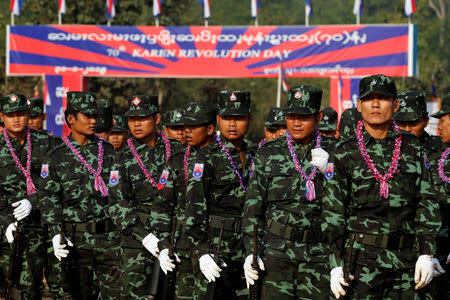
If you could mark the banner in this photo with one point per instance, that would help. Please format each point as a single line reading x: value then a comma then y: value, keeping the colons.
x: 212, y: 52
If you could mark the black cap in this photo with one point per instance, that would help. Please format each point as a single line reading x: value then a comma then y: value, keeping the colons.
x: 412, y: 106
x: 36, y: 106
x: 303, y: 100
x: 233, y: 103
x: 329, y: 119
x: 104, y: 119
x: 142, y: 105
x: 379, y: 84
x: 199, y: 113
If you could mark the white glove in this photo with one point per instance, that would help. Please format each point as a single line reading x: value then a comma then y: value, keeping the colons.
x: 251, y: 274
x: 438, y: 270
x: 448, y: 259
x: 150, y: 242
x: 209, y: 267
x: 58, y: 248
x: 9, y: 232
x: 424, y: 271
x: 319, y: 158
x: 337, y: 282
x: 165, y: 262
x: 22, y: 209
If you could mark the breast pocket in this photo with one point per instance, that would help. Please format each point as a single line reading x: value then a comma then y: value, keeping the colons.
x: 407, y: 179
x: 281, y: 186
x: 142, y: 188
x: 74, y: 187
x: 363, y: 183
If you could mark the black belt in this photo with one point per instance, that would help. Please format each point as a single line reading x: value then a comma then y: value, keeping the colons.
x: 289, y: 233
x: 90, y: 227
x: 230, y: 224
x: 386, y: 241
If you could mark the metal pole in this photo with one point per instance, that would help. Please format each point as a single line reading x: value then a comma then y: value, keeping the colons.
x: 156, y: 21
x: 256, y: 21
x: 279, y: 87
x: 12, y: 19
x: 108, y: 23
x: 59, y: 18
x: 306, y: 17
x: 358, y: 16
x: 206, y: 22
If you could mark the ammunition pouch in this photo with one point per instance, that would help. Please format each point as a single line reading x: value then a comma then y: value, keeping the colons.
x: 385, y: 241
x: 230, y: 224
x: 289, y: 233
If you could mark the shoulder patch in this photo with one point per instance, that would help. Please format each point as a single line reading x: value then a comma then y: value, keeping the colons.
x: 426, y: 161
x: 114, y: 177
x: 44, y: 170
x: 330, y: 171
x: 198, y: 170
x: 163, y: 179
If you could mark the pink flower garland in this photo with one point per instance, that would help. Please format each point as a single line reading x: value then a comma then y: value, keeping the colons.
x: 26, y: 172
x: 99, y: 184
x: 441, y: 165
x: 187, y: 153
x: 393, y: 168
x: 261, y: 143
x: 310, y: 189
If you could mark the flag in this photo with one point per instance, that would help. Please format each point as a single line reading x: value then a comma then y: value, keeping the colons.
x: 256, y: 4
x: 206, y: 11
x: 110, y: 9
x: 16, y: 6
x: 157, y: 8
x: 358, y: 7
x: 61, y: 6
x: 284, y: 82
x: 308, y: 7
x: 410, y: 7
x: 433, y: 89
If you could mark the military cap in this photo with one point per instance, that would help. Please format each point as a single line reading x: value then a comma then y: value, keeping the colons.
x: 348, y: 121
x: 329, y: 119
x: 142, y: 105
x: 104, y: 119
x: 173, y: 117
x: 198, y: 113
x: 379, y: 84
x: 445, y: 108
x: 413, y: 105
x: 14, y: 102
x: 303, y: 100
x: 233, y: 103
x: 84, y: 102
x: 36, y: 106
x: 275, y: 117
x: 119, y: 123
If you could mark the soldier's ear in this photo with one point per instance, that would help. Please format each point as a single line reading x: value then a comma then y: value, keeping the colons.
x: 157, y: 118
x: 396, y: 105
x: 1, y: 117
x: 210, y: 129
x: 319, y: 116
x: 358, y: 105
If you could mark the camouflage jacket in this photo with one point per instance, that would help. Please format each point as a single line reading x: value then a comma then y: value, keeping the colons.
x: 13, y: 185
x: 70, y: 185
x: 135, y: 191
x: 214, y: 193
x: 352, y: 201
x: 276, y: 201
x: 431, y: 143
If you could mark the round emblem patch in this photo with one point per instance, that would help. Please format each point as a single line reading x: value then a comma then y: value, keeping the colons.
x: 298, y: 95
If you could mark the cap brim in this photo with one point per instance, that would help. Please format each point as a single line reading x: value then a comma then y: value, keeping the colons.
x: 440, y: 114
x: 378, y: 91
x: 139, y: 113
x: 300, y: 110
x: 406, y: 116
x: 327, y: 127
x: 14, y: 109
x: 119, y: 130
x: 234, y: 112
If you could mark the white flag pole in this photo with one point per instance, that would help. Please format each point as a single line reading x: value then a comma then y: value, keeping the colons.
x: 12, y: 18
x: 206, y: 22
x: 256, y: 21
x: 156, y: 21
x: 306, y: 16
x: 59, y: 17
x: 279, y: 87
x: 358, y: 16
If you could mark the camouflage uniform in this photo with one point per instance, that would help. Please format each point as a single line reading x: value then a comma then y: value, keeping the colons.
x: 104, y: 118
x: 13, y: 188
x: 214, y: 193
x: 289, y: 225
x: 93, y: 263
x: 274, y: 118
x: 135, y: 190
x: 385, y: 231
x: 173, y: 118
x: 36, y: 106
x: 347, y: 123
x: 120, y: 126
x: 329, y: 120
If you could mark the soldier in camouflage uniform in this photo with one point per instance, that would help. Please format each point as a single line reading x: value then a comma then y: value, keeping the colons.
x: 75, y: 205
x: 440, y: 170
x: 215, y: 192
x: 273, y: 125
x: 142, y: 170
x: 104, y: 118
x: 285, y: 200
x: 119, y: 132
x: 37, y: 114
x: 347, y: 123
x: 173, y: 125
x: 21, y: 164
x: 380, y: 204
x: 328, y: 124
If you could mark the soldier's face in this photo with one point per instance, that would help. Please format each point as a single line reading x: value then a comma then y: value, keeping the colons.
x: 302, y: 127
x: 143, y: 127
x: 82, y: 123
x: 117, y: 139
x: 233, y: 127
x: 415, y: 127
x: 281, y: 130
x: 377, y: 109
x: 37, y: 122
x: 199, y: 136
x: 270, y: 134
x: 16, y: 122
x: 444, y: 129
x: 177, y: 133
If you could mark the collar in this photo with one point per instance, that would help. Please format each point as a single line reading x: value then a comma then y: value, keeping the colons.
x: 91, y: 140
x: 230, y: 145
x: 392, y: 134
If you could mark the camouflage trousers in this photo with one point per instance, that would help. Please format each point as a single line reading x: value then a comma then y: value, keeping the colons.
x: 184, y: 286
x: 290, y: 279
x: 29, y: 264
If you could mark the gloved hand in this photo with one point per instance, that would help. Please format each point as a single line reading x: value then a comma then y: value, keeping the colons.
x: 438, y: 270
x: 150, y: 242
x: 165, y: 262
x: 209, y: 267
x: 22, y: 209
x: 9, y: 232
x: 424, y: 271
x: 448, y: 259
x: 319, y: 158
x: 337, y: 282
x: 58, y: 247
x: 251, y: 274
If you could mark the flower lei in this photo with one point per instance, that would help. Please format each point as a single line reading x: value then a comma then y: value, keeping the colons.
x: 310, y: 189
x: 261, y: 143
x: 441, y: 165
x: 26, y: 172
x: 393, y: 168
x: 233, y: 163
x: 187, y: 152
x: 99, y: 184
x: 141, y: 164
